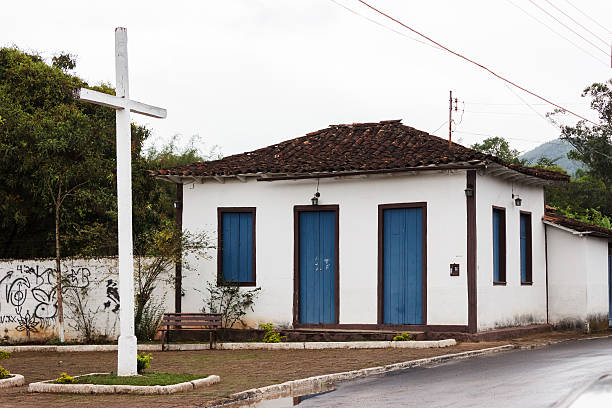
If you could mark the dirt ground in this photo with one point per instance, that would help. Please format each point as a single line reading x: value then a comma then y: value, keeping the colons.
x: 239, y: 370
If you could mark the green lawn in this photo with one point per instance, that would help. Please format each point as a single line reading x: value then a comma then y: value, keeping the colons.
x: 144, y: 379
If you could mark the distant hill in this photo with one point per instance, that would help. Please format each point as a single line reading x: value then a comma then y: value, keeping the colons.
x: 554, y: 149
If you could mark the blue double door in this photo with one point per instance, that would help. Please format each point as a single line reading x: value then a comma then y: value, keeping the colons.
x: 317, y: 263
x: 402, y: 253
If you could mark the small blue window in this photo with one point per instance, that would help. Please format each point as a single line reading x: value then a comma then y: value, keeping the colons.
x: 499, y: 245
x: 526, y: 267
x: 236, y: 257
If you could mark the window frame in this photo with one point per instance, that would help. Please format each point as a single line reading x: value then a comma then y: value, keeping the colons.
x: 529, y: 256
x: 502, y: 246
x: 220, y: 212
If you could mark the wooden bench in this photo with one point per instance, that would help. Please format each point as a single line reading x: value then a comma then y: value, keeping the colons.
x: 209, y: 322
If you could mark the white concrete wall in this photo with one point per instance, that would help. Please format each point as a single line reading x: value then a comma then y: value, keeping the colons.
x: 28, y: 302
x: 578, y: 277
x: 358, y: 199
x: 513, y: 304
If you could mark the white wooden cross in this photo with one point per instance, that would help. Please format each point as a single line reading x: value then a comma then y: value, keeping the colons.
x: 126, y: 362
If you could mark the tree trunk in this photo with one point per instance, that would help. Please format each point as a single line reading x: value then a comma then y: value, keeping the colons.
x: 58, y: 268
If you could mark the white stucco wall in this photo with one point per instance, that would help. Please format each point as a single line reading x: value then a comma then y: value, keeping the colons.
x: 512, y: 304
x: 358, y: 200
x: 578, y: 277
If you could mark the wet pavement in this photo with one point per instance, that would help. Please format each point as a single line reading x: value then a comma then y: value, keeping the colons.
x: 545, y: 377
x: 528, y: 378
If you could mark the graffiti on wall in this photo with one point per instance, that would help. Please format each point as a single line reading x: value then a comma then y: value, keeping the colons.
x: 29, y: 299
x: 112, y: 294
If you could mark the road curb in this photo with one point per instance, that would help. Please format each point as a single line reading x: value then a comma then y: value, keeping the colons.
x: 16, y: 380
x: 320, y: 383
x: 46, y: 386
x: 322, y: 345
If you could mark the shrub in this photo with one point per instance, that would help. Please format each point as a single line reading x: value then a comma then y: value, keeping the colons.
x: 4, y: 373
x: 148, y: 321
x: 143, y: 361
x: 271, y: 336
x: 230, y: 301
x: 64, y: 378
x: 403, y: 337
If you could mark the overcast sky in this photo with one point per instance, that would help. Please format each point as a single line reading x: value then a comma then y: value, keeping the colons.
x: 243, y: 74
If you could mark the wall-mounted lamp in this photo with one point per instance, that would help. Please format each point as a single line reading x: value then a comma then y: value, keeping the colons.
x: 517, y: 200
x: 315, y: 199
x: 469, y: 191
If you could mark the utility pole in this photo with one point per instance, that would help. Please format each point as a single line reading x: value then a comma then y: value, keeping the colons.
x: 450, y: 118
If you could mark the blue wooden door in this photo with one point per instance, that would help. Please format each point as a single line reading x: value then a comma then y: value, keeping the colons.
x: 403, y: 266
x: 317, y: 267
x: 610, y: 289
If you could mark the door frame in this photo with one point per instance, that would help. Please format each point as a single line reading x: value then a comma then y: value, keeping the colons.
x: 296, y: 258
x: 381, y: 252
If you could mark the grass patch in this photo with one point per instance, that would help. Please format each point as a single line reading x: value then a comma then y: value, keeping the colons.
x: 143, y: 379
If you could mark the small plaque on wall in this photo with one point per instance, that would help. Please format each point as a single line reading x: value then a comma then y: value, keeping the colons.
x: 454, y: 269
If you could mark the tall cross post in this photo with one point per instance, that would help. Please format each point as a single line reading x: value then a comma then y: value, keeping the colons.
x: 123, y: 105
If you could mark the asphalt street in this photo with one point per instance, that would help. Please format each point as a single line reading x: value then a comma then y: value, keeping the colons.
x: 524, y: 378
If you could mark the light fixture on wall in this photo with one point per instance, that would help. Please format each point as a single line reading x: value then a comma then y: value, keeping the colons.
x: 469, y: 191
x: 517, y: 200
x: 315, y: 198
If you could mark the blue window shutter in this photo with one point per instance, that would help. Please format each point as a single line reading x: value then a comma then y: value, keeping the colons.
x: 499, y: 245
x: 237, y: 247
x: 523, y: 248
x: 496, y: 246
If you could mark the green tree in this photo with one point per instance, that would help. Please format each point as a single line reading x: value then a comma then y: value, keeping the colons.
x: 593, y: 143
x: 499, y: 147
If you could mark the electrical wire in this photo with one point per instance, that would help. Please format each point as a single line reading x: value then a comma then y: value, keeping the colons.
x: 558, y: 33
x: 587, y: 16
x: 529, y: 106
x: 474, y: 62
x: 583, y: 27
x: 384, y: 26
x: 569, y: 28
x: 439, y: 127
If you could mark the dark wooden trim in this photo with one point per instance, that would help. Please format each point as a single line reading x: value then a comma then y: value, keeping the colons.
x: 529, y: 272
x: 381, y: 284
x: 378, y: 171
x: 471, y: 253
x: 296, y: 258
x: 389, y: 327
x: 220, y: 211
x: 178, y: 266
x: 546, y: 261
x: 499, y: 283
x: 503, y: 277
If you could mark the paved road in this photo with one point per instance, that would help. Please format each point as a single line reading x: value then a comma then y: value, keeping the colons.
x: 527, y: 378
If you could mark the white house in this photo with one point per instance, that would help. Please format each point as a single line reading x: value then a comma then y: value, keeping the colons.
x: 379, y: 225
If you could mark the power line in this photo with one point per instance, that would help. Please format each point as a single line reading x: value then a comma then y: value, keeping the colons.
x: 382, y: 25
x: 587, y: 16
x: 569, y: 28
x: 439, y: 127
x: 475, y: 63
x: 570, y: 17
x: 558, y: 33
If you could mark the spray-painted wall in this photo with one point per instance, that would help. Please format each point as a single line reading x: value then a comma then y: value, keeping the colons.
x: 28, y: 298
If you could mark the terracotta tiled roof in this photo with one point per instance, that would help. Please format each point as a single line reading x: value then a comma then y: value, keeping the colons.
x: 360, y: 147
x: 553, y: 216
